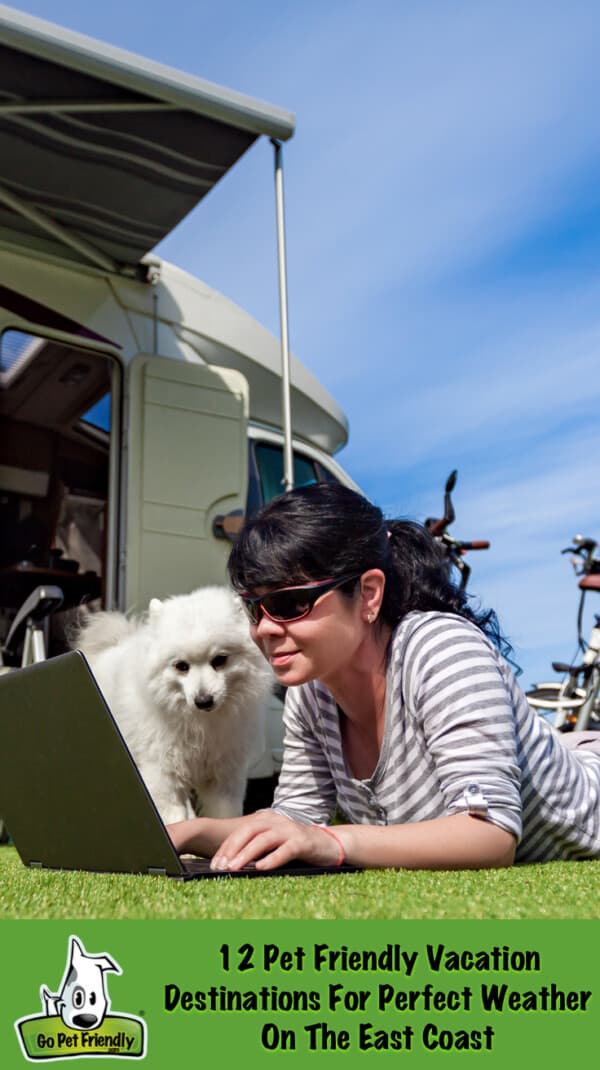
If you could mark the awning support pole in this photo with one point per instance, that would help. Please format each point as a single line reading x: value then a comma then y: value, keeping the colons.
x: 288, y: 457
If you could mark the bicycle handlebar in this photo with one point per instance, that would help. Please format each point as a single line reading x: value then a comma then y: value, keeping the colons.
x: 583, y: 548
x: 454, y: 549
x: 582, y: 545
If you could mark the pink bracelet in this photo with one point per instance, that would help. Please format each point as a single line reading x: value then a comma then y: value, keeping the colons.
x: 330, y: 832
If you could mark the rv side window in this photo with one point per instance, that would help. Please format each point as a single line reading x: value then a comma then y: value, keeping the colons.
x: 266, y: 474
x: 55, y: 446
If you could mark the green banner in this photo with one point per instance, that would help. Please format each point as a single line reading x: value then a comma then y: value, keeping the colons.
x: 47, y: 1037
x: 500, y: 993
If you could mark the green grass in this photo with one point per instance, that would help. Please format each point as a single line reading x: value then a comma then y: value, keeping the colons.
x: 554, y: 890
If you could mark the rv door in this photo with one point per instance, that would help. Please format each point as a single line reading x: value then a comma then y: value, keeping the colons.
x: 186, y: 463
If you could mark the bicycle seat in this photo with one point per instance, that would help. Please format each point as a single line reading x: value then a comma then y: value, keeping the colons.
x: 40, y: 604
x: 590, y: 582
x: 573, y: 670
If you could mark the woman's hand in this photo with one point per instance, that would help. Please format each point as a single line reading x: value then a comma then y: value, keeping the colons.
x: 266, y: 838
x: 270, y: 840
x: 201, y: 835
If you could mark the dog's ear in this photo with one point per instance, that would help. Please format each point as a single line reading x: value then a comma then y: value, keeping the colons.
x: 155, y: 606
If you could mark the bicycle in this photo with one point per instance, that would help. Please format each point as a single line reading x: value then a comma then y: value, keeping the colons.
x: 29, y: 629
x: 454, y: 549
x: 575, y: 700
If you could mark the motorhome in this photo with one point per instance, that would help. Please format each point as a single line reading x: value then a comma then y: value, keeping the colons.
x: 141, y: 411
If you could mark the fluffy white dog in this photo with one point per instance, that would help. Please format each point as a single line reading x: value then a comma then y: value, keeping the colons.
x: 187, y: 687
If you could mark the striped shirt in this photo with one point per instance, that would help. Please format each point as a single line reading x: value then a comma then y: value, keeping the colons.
x: 459, y: 737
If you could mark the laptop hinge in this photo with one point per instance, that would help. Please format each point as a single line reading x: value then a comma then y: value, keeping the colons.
x: 36, y: 865
x: 157, y: 871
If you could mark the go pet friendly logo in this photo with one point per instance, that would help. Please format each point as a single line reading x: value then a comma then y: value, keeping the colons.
x: 76, y: 1021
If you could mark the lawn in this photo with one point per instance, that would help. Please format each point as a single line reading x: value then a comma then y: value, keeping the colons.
x: 554, y: 890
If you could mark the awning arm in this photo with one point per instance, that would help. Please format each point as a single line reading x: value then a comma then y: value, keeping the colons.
x: 288, y: 457
x: 34, y: 107
x: 45, y: 223
x: 142, y: 76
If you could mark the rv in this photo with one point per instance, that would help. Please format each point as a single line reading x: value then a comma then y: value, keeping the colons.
x: 142, y: 413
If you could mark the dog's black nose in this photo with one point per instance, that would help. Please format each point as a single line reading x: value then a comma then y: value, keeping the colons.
x: 84, y: 1021
x: 204, y: 702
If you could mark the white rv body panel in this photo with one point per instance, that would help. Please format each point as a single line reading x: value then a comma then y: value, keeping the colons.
x: 187, y: 463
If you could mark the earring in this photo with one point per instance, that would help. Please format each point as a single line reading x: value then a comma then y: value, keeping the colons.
x: 371, y: 618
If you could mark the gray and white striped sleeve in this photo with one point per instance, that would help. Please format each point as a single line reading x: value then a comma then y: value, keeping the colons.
x: 455, y: 690
x: 306, y: 791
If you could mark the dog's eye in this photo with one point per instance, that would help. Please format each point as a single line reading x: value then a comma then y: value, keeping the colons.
x: 92, y: 998
x: 182, y: 666
x: 78, y: 997
x: 219, y: 661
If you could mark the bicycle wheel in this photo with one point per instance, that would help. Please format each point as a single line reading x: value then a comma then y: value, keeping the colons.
x: 554, y: 696
x: 563, y: 700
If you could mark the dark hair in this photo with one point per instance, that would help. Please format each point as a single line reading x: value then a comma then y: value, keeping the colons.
x: 326, y: 530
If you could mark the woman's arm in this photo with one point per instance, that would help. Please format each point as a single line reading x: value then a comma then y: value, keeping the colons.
x: 459, y: 841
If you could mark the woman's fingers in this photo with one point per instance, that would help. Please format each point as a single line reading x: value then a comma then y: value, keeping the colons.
x: 258, y: 846
x: 233, y: 844
x: 271, y: 840
x: 282, y: 854
x: 258, y: 835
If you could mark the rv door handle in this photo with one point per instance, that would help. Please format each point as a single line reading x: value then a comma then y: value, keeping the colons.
x: 229, y: 525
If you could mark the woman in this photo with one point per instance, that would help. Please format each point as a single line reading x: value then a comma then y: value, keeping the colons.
x: 401, y: 711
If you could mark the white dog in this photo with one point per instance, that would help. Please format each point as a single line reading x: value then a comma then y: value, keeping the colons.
x: 187, y: 687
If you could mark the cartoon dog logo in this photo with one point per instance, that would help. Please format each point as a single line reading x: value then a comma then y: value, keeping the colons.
x: 82, y: 1001
x: 77, y: 1020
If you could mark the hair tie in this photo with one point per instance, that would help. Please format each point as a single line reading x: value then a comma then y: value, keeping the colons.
x: 330, y: 832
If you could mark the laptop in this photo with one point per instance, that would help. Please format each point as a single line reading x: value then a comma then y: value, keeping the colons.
x: 71, y: 794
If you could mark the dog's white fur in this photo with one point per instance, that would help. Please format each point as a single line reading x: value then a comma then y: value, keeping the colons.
x: 193, y: 732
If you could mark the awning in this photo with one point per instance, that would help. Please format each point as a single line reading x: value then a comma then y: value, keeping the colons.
x: 103, y: 152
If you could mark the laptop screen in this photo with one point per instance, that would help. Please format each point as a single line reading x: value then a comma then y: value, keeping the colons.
x: 70, y: 792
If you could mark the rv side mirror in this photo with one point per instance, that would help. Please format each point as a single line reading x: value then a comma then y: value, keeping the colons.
x: 229, y: 525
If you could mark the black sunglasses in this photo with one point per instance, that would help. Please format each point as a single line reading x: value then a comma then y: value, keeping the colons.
x: 290, y: 603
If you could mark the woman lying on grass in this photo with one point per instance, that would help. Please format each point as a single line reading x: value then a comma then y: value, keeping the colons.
x: 401, y: 711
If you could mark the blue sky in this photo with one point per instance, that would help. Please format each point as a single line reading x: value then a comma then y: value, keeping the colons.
x: 443, y: 213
